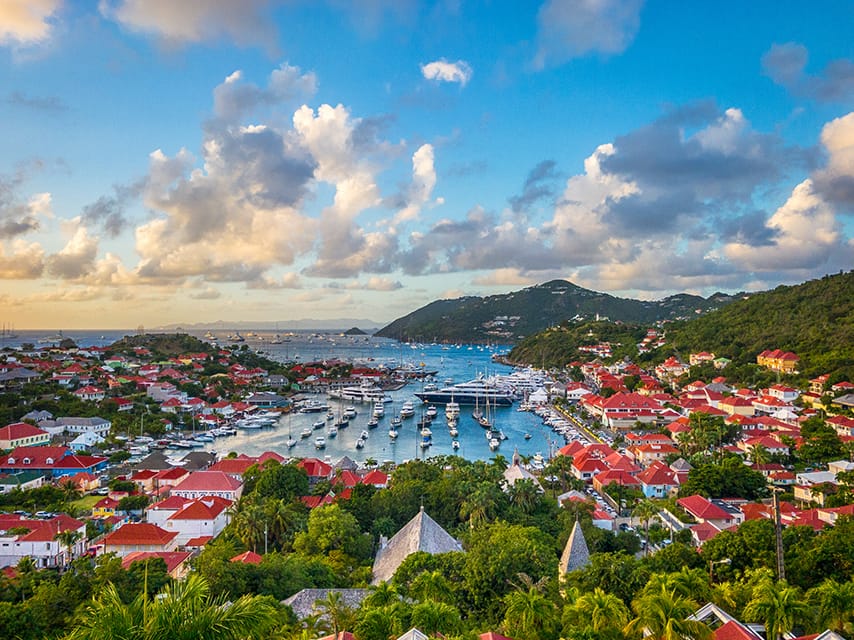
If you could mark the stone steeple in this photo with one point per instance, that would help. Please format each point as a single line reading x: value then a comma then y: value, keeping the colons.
x: 575, y: 554
x: 422, y: 533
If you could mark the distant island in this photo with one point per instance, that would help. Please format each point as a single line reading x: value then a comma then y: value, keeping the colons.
x: 355, y: 331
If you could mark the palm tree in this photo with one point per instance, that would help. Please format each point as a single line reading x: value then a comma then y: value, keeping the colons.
x: 382, y: 595
x: 529, y: 615
x: 68, y: 539
x: 183, y: 611
x: 432, y: 585
x: 525, y: 494
x: 249, y: 523
x: 834, y: 604
x: 598, y: 611
x: 432, y: 617
x: 479, y: 505
x: 381, y: 623
x: 336, y: 612
x: 778, y: 606
x: 759, y: 454
x: 665, y: 616
x: 644, y: 511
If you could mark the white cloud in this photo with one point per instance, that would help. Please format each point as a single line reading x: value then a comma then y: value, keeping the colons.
x: 444, y: 71
x: 246, y: 23
x: 235, y: 98
x: 27, y: 22
x: 77, y: 257
x: 423, y: 182
x: 807, y: 235
x: 24, y: 262
x: 573, y: 28
x: 502, y: 277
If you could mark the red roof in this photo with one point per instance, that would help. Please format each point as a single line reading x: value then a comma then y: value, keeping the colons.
x: 201, y: 541
x: 18, y: 430
x: 204, y: 509
x: 208, y: 481
x: 139, y: 533
x: 315, y: 468
x: 248, y: 557
x: 701, y: 508
x: 233, y: 466
x: 376, y: 478
x: 173, y: 559
x: 732, y: 630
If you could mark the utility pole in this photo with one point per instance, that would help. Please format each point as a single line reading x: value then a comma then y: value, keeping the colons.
x: 778, y: 534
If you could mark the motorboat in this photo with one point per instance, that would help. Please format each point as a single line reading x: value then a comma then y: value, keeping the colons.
x: 363, y: 435
x: 319, y: 424
x: 333, y: 431
x: 455, y: 444
x: 360, y: 443
x: 479, y: 390
x: 305, y: 433
x: 452, y: 410
x: 392, y: 433
x: 320, y: 442
x: 407, y: 409
x: 431, y: 412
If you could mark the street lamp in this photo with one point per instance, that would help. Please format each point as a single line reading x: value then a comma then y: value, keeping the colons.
x: 712, y: 564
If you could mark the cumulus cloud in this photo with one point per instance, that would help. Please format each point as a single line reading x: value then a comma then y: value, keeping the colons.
x: 77, y: 257
x: 786, y: 65
x: 286, y: 281
x: 109, y: 211
x: 807, y: 236
x: 208, y: 293
x: 505, y: 277
x: 572, y: 28
x: 374, y: 283
x: 444, y: 71
x: 19, y: 214
x: 835, y: 181
x: 235, y: 98
x: 27, y: 22
x: 423, y: 182
x: 25, y: 261
x: 245, y: 23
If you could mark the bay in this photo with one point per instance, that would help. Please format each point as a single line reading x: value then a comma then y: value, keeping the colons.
x: 457, y: 363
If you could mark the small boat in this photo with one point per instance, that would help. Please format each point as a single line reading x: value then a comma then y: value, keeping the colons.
x: 373, y: 423
x: 320, y: 442
x: 342, y: 423
x: 350, y: 412
x: 333, y: 431
x: 407, y: 410
x: 363, y: 435
x: 455, y: 444
x: 330, y: 416
x: 426, y: 442
x: 527, y: 436
x: 379, y: 409
x: 494, y: 443
x: 396, y: 422
x: 203, y: 437
x: 454, y: 432
x: 392, y: 433
x: 319, y: 424
x: 425, y: 432
x: 452, y: 410
x: 360, y: 443
x: 291, y: 443
x: 431, y: 412
x: 305, y: 433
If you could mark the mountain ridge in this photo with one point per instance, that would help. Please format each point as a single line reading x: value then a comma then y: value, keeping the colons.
x: 514, y: 315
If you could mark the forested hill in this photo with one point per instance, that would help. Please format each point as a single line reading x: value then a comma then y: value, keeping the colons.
x: 815, y: 320
x: 509, y: 317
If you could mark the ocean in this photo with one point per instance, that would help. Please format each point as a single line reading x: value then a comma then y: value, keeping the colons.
x: 458, y: 363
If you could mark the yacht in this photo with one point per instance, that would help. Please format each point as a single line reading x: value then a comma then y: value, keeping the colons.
x: 407, y: 409
x: 319, y: 424
x: 479, y: 390
x: 392, y: 433
x: 305, y: 433
x: 452, y: 410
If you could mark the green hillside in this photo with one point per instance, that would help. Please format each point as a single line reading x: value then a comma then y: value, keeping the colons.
x: 512, y: 316
x: 815, y: 320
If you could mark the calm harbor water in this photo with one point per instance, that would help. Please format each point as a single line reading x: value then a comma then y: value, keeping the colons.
x: 451, y: 362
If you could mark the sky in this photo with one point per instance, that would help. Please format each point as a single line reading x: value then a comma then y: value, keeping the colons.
x: 260, y: 160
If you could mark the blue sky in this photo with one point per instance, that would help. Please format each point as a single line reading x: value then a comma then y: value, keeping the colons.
x: 170, y: 162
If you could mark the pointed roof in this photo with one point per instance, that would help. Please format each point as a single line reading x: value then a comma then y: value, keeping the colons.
x: 413, y: 634
x: 575, y: 554
x: 422, y: 533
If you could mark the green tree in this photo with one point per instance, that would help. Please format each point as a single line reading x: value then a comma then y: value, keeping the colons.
x: 664, y: 615
x: 645, y: 510
x: 184, y: 611
x: 776, y: 605
x: 530, y: 615
x: 603, y: 613
x: 68, y: 539
x: 833, y: 603
x: 333, y: 608
x: 432, y: 617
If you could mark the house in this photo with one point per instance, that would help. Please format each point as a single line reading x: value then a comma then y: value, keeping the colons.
x: 422, y: 533
x: 90, y: 393
x: 778, y: 360
x: 716, y: 512
x: 190, y: 518
x: 24, y: 537
x: 105, y: 507
x: 21, y: 480
x: 85, y: 441
x: 54, y: 461
x: 247, y: 557
x: 782, y: 392
x: 139, y: 536
x: 736, y: 406
x: 72, y: 425
x: 201, y: 484
x: 316, y: 470
x: 21, y: 434
x: 177, y: 562
x: 376, y: 478
x: 658, y: 481
x: 646, y: 454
